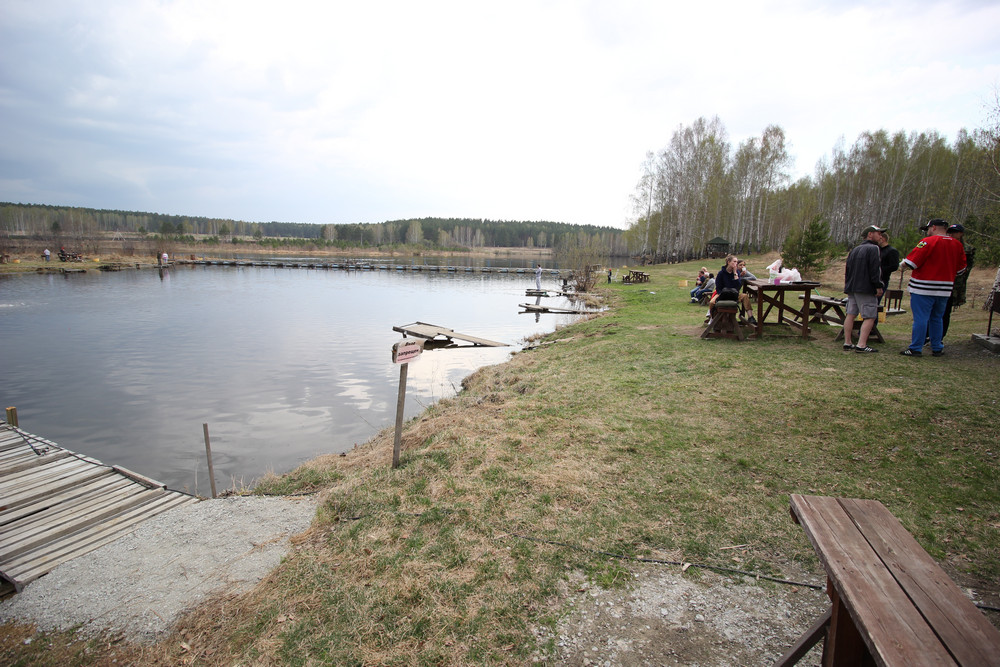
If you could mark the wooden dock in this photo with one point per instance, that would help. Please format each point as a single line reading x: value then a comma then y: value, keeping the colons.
x: 362, y: 266
x: 56, y: 505
x: 443, y: 336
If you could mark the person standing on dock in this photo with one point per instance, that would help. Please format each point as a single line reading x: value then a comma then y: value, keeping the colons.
x: 538, y: 277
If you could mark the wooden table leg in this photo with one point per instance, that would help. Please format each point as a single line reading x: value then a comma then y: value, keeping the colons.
x: 811, y: 637
x: 844, y: 645
x: 760, y: 314
x: 805, y: 317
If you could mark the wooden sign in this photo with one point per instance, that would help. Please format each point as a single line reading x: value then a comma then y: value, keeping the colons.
x: 406, y: 350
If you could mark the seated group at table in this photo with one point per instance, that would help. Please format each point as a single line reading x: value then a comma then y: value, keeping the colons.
x: 703, y: 284
x: 733, y: 276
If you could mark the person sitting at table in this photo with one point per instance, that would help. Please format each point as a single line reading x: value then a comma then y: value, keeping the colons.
x: 699, y: 282
x: 727, y: 278
x: 707, y: 288
x: 745, y: 306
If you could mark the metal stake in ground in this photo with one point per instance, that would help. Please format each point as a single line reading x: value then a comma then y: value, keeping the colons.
x: 404, y: 351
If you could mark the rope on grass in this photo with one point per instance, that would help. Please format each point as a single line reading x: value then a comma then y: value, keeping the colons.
x: 657, y: 561
x: 716, y: 568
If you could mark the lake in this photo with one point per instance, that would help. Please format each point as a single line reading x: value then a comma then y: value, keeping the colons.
x: 284, y: 364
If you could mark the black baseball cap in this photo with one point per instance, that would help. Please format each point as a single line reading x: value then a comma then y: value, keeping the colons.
x: 936, y: 222
x: 956, y: 228
x: 871, y: 228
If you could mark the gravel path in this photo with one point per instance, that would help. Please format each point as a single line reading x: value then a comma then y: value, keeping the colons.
x: 139, y: 584
x: 668, y: 618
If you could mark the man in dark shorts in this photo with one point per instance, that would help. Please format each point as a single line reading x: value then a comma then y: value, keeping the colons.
x: 863, y: 286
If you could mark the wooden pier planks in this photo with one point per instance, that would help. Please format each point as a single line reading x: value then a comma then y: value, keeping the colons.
x: 56, y: 505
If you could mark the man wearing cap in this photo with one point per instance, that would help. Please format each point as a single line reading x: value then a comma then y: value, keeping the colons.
x: 863, y: 286
x: 957, y: 297
x: 935, y: 262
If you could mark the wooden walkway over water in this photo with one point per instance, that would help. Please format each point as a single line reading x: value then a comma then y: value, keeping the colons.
x: 361, y: 266
x: 56, y: 505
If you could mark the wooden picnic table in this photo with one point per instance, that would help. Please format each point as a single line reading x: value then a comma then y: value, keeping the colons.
x: 774, y: 296
x: 892, y: 605
x: 636, y: 277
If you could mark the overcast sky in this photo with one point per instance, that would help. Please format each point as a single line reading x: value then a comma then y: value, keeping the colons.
x: 336, y: 112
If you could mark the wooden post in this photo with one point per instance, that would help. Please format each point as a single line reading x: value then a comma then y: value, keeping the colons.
x: 208, y: 452
x: 399, y: 415
x: 12, y: 416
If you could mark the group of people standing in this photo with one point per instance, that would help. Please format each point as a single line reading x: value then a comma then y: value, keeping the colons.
x: 936, y: 262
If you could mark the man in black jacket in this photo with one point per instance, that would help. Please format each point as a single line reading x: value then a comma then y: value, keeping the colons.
x: 890, y: 259
x: 863, y: 286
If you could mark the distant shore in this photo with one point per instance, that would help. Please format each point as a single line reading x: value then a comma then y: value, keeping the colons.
x: 28, y: 262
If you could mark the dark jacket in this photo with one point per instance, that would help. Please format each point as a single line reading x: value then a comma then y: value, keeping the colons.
x: 890, y: 262
x: 863, y: 273
x: 726, y: 279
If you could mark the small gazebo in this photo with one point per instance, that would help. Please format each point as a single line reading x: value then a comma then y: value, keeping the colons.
x: 717, y: 247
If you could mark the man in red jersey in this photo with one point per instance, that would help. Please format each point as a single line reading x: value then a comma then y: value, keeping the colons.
x: 935, y: 261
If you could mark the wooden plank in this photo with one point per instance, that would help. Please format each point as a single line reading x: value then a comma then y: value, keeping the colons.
x: 967, y: 634
x: 11, y: 484
x: 71, y: 493
x: 49, y: 532
x: 894, y: 632
x: 77, y: 496
x: 141, y: 479
x: 33, y: 461
x: 115, y: 526
x: 35, y: 565
x: 56, y: 485
x: 58, y: 515
x: 431, y: 331
x: 809, y: 638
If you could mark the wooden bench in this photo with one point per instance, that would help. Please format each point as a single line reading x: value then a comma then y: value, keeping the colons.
x: 723, y: 322
x: 820, y: 308
x: 893, y: 302
x: 891, y: 603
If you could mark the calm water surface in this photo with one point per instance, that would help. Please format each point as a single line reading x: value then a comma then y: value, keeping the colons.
x: 283, y: 364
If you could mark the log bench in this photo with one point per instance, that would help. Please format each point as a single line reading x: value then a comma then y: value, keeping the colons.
x: 891, y: 603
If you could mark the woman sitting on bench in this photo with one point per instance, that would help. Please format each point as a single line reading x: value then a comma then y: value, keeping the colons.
x: 727, y: 278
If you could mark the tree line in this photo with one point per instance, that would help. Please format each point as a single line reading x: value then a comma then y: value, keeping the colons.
x: 42, y: 221
x: 698, y: 188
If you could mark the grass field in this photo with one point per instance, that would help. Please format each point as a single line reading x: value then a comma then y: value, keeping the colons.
x: 626, y: 434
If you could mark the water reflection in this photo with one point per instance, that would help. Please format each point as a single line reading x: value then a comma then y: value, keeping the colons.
x: 283, y: 364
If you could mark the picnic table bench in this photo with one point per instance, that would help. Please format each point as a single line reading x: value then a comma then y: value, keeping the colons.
x: 635, y: 277
x: 891, y: 603
x: 819, y: 312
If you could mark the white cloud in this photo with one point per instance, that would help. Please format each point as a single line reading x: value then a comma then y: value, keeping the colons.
x: 339, y: 112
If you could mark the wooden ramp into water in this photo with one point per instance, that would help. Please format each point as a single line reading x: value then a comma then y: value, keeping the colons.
x: 56, y: 505
x: 435, y: 334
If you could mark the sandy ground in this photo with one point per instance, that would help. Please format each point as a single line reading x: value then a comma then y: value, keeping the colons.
x: 139, y: 585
